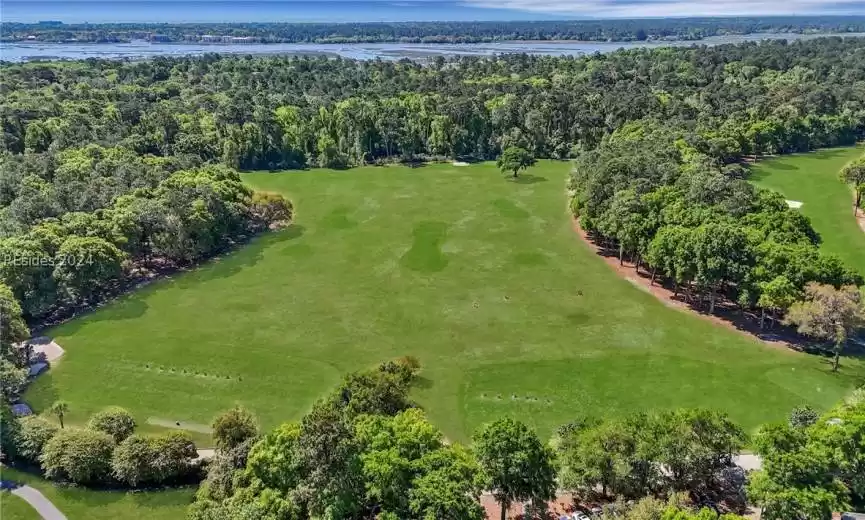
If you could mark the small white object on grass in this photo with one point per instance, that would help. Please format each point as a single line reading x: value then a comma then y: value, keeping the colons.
x: 795, y: 204
x: 460, y: 163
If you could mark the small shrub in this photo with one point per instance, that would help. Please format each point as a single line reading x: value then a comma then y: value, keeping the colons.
x: 115, y: 421
x: 803, y: 416
x: 233, y: 427
x: 154, y: 460
x: 34, y: 434
x: 410, y: 362
x: 132, y: 461
x: 271, y: 208
x: 82, y: 456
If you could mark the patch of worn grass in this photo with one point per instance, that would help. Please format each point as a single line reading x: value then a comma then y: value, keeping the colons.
x: 479, y: 277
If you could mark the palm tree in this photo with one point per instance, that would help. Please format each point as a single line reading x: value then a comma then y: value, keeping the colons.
x: 59, y: 408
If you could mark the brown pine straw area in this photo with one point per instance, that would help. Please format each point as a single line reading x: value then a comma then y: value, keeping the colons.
x: 860, y: 218
x: 727, y: 314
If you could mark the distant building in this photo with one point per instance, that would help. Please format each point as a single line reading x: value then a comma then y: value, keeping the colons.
x: 162, y: 38
x: 853, y: 516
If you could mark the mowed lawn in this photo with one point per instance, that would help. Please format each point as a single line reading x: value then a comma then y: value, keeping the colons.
x: 15, y: 508
x: 813, y: 180
x: 83, y: 504
x: 481, y: 278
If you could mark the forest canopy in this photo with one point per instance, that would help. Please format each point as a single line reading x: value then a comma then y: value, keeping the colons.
x: 134, y: 162
x: 435, y: 32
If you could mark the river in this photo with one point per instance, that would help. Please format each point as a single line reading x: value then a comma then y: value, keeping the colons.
x: 26, y: 51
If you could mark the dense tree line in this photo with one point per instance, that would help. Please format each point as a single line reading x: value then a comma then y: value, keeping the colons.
x: 438, y: 32
x: 367, y: 451
x: 278, y: 112
x: 79, y: 232
x: 664, y: 201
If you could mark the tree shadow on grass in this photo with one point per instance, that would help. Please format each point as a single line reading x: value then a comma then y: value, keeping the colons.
x: 778, y: 165
x: 833, y: 152
x: 172, y: 497
x: 528, y: 178
x: 424, y: 383
x: 237, y: 259
x: 130, y: 300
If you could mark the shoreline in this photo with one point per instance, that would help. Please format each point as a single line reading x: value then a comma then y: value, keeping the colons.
x: 567, y: 41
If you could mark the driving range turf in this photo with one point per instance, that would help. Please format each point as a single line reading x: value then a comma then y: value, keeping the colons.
x: 481, y: 278
x: 813, y: 180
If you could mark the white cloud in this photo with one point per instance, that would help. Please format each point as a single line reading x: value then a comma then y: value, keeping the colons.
x: 670, y: 8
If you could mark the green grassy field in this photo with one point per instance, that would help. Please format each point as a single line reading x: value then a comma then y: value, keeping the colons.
x: 82, y: 504
x: 15, y: 508
x: 481, y: 278
x: 813, y: 180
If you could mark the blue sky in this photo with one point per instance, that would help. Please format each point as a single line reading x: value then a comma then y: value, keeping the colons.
x: 664, y: 8
x: 96, y: 11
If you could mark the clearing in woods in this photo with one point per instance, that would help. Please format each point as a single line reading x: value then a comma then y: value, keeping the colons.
x: 812, y: 179
x: 481, y: 278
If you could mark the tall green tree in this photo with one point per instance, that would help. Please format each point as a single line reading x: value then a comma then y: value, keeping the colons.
x: 776, y: 296
x: 829, y: 314
x: 233, y: 427
x: 854, y: 175
x: 517, y: 465
x: 59, y: 409
x: 514, y: 159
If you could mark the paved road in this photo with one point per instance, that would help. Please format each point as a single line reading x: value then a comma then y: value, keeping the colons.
x: 35, y: 498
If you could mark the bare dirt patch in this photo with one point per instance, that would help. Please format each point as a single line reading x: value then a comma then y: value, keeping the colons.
x: 726, y: 314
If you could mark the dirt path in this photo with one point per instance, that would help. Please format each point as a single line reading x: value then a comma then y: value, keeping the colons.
x: 860, y: 218
x: 666, y: 296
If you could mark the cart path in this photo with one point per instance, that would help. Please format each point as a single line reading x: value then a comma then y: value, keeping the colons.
x: 35, y: 498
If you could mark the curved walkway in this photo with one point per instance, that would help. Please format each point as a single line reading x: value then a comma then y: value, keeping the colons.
x: 35, y: 498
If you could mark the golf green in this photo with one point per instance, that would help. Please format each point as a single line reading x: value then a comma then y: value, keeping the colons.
x: 480, y: 277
